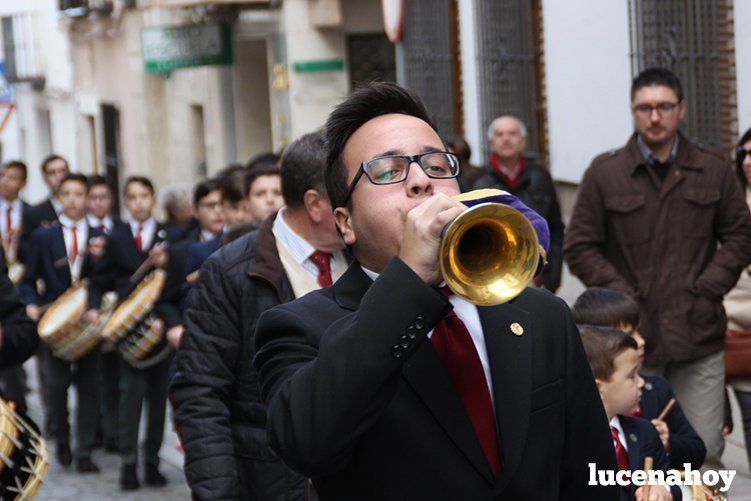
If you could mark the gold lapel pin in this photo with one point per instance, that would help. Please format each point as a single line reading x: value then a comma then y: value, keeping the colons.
x: 517, y: 329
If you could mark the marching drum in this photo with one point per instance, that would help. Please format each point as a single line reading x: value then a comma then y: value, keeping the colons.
x: 62, y: 327
x: 134, y: 329
x: 23, y: 455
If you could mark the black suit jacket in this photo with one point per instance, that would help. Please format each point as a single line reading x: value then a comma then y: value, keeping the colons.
x: 47, y: 260
x: 685, y: 444
x: 643, y: 441
x: 359, y: 401
x: 42, y: 214
x: 19, y: 333
x: 121, y: 259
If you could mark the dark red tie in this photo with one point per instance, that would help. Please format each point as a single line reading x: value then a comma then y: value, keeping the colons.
x: 139, y: 239
x: 454, y: 346
x: 74, y: 250
x: 322, y: 260
x: 620, y: 451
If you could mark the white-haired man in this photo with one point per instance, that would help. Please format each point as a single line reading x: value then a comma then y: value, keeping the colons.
x: 508, y: 169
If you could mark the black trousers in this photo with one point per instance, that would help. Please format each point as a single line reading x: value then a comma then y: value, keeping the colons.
x: 109, y: 368
x: 84, y: 374
x: 137, y: 386
x: 13, y: 386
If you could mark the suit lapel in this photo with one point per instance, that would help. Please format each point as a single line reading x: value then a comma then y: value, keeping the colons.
x: 633, y: 444
x: 427, y: 376
x: 59, y: 252
x: 510, y: 359
x: 425, y: 373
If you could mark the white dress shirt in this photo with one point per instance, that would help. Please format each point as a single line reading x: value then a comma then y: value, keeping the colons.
x: 467, y: 313
x: 82, y: 237
x: 207, y: 235
x: 148, y: 230
x: 106, y: 223
x: 616, y: 423
x: 57, y: 206
x: 16, y: 213
x: 301, y: 250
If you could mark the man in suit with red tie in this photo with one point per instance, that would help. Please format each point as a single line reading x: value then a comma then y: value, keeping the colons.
x: 60, y: 256
x: 382, y: 387
x: 215, y: 394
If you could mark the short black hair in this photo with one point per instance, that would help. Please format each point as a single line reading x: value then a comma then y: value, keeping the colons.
x: 364, y: 104
x: 77, y: 177
x: 99, y: 180
x: 204, y: 188
x: 607, y: 307
x: 266, y: 157
x: 142, y: 180
x: 746, y: 137
x: 52, y: 158
x: 303, y: 168
x: 259, y: 169
x: 19, y: 165
x: 602, y: 345
x: 232, y: 181
x: 657, y: 76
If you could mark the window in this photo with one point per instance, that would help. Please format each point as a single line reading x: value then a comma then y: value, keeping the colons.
x: 694, y: 39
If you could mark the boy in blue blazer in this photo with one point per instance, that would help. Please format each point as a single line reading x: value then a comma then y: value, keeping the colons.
x: 62, y: 255
x: 614, y: 358
x: 607, y: 307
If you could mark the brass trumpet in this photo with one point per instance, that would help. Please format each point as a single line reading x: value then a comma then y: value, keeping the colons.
x: 490, y: 253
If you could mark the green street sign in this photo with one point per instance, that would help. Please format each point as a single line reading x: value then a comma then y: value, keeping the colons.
x: 167, y: 48
x: 319, y: 66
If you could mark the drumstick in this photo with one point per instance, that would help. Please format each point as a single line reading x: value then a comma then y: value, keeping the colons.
x: 666, y: 410
x: 648, y: 461
x: 146, y: 266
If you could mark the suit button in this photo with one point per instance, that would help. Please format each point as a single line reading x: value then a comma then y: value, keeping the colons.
x: 396, y: 351
x: 419, y: 323
x: 412, y: 332
x: 404, y: 341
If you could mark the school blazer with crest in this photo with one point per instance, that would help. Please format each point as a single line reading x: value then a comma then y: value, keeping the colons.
x: 121, y: 259
x: 358, y: 400
x: 47, y: 259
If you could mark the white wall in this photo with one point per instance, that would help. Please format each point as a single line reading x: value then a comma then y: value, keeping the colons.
x: 742, y: 24
x: 470, y: 87
x: 588, y: 76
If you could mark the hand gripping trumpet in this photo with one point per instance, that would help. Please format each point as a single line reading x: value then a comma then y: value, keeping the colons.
x: 494, y: 249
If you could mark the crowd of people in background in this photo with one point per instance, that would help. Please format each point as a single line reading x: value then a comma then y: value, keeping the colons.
x: 660, y: 236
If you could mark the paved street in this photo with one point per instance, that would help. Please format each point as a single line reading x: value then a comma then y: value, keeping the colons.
x: 65, y: 484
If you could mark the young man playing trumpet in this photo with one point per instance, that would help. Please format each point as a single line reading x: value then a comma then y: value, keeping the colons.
x: 61, y: 256
x: 129, y: 246
x: 382, y: 387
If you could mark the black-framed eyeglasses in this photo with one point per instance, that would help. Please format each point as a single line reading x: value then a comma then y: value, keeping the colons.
x: 741, y: 153
x: 392, y: 169
x: 661, y: 108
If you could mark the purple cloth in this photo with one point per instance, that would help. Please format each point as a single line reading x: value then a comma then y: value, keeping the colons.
x: 538, y: 222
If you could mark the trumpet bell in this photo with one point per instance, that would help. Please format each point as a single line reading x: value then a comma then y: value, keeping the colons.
x: 489, y: 254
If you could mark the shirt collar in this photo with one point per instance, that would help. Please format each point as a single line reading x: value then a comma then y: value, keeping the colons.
x: 15, y: 204
x: 207, y: 235
x: 649, y: 157
x: 146, y: 226
x: 57, y: 206
x: 300, y: 249
x: 95, y: 222
x: 370, y: 273
x: 69, y: 223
